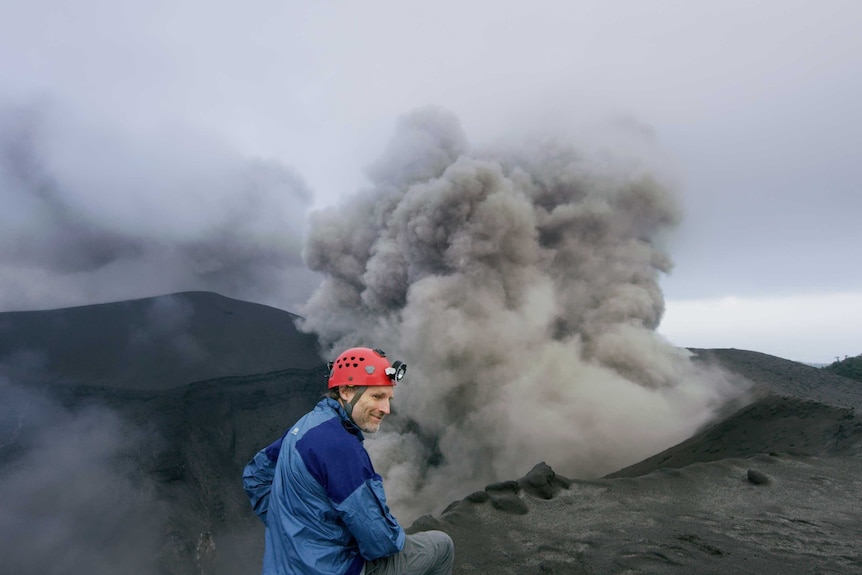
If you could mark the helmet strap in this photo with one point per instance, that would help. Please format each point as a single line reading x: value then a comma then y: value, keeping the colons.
x: 348, y: 406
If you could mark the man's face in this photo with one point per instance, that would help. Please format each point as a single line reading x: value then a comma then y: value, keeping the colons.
x: 372, y: 406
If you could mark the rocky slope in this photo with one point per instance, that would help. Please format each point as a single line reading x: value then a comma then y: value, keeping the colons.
x: 775, y: 487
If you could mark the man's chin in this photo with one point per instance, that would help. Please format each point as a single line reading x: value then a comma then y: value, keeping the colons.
x: 371, y: 426
x: 374, y: 424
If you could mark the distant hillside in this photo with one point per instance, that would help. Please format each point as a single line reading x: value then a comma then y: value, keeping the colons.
x: 849, y: 367
x: 798, y: 409
x: 152, y: 343
x: 779, y: 376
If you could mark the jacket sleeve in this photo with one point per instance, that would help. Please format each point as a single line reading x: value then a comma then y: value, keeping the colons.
x: 257, y: 478
x: 367, y: 516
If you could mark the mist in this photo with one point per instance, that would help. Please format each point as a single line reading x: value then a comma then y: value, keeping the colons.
x: 74, y: 501
x: 521, y: 284
x: 96, y: 212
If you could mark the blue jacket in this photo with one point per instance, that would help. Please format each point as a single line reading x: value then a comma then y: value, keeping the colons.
x: 326, y: 512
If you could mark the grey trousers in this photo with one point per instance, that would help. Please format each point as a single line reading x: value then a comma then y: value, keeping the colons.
x: 424, y: 553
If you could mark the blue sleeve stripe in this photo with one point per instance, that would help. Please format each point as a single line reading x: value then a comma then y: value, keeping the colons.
x: 336, y: 459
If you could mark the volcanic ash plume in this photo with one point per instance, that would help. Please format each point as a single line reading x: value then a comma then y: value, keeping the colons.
x: 521, y: 288
x: 93, y: 214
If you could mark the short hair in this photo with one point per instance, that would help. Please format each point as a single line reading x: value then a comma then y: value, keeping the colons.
x: 334, y: 392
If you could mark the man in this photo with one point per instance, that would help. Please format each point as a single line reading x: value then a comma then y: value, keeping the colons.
x: 318, y: 494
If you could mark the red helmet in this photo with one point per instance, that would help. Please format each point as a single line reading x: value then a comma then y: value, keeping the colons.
x: 363, y: 366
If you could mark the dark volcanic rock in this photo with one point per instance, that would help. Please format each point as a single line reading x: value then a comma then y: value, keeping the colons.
x: 542, y: 482
x: 757, y: 477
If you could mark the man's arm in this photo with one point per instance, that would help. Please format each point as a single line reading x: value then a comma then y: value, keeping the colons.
x: 257, y: 478
x: 367, y: 516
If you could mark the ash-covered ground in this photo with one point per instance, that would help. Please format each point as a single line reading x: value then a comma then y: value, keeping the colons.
x: 773, y: 488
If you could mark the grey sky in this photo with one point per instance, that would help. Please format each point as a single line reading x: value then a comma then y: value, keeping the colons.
x: 151, y: 120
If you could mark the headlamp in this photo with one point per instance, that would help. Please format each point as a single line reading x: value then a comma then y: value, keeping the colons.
x: 397, y: 371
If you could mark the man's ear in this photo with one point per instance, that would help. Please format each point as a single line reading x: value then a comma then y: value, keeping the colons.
x: 346, y: 392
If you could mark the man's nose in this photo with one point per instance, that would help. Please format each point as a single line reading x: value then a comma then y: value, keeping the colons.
x: 384, y: 406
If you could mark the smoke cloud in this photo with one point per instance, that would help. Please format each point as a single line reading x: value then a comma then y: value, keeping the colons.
x: 94, y: 214
x: 73, y: 501
x: 521, y: 285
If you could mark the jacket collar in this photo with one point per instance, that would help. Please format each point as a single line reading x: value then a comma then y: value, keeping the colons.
x: 345, y: 419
